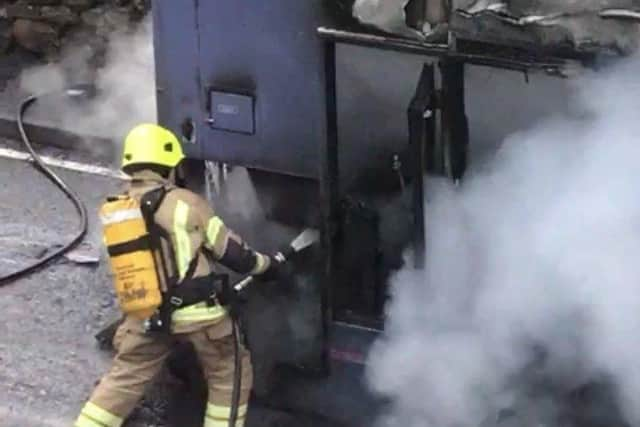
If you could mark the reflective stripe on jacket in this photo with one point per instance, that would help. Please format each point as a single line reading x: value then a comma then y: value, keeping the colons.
x: 194, y: 229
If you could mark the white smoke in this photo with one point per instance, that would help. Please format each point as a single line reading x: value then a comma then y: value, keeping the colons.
x: 532, y: 274
x: 126, y: 84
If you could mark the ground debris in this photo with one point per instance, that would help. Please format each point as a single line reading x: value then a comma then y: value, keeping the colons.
x: 85, y: 253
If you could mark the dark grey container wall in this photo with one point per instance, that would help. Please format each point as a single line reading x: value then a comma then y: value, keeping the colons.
x: 175, y: 38
x: 268, y: 49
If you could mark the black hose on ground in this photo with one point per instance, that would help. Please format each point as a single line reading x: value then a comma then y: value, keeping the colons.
x: 77, y: 203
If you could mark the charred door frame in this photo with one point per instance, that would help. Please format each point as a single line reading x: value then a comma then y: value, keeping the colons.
x: 421, y: 128
x: 449, y: 100
x: 421, y: 118
x: 489, y: 57
x: 329, y: 195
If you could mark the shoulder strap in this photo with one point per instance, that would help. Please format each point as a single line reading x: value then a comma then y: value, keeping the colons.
x: 150, y: 202
x: 192, y: 267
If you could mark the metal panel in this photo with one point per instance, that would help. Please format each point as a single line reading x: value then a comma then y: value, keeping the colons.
x: 179, y: 97
x: 268, y: 49
x: 231, y: 112
x: 343, y: 399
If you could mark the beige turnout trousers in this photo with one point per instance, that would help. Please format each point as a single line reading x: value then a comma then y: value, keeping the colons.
x: 195, y: 234
x: 140, y: 358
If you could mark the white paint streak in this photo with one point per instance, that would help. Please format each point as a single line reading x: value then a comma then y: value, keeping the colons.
x: 65, y: 164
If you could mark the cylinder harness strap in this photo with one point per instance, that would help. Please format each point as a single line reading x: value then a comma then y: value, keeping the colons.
x: 214, y: 289
x: 180, y: 292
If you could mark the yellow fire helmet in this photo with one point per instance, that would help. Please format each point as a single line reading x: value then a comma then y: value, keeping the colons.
x: 149, y: 143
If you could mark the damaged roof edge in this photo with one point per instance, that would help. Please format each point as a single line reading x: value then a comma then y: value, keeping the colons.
x: 541, y: 30
x: 550, y: 19
x: 558, y: 67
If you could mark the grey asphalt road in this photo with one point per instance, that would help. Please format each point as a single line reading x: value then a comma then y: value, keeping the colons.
x: 49, y: 360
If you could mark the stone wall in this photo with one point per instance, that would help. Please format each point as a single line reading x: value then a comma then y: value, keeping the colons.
x: 47, y: 27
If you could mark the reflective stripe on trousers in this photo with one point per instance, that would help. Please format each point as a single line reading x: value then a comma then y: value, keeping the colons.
x: 94, y: 416
x: 198, y: 313
x: 218, y: 416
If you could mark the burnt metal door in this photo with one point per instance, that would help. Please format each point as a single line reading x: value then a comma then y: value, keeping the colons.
x: 178, y: 94
x: 421, y: 114
x: 248, y: 75
x: 261, y: 76
x: 454, y: 125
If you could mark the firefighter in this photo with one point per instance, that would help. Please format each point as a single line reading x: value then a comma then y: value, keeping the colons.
x: 196, y: 238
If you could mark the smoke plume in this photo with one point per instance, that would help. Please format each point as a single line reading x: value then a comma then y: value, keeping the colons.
x: 126, y: 84
x: 531, y: 285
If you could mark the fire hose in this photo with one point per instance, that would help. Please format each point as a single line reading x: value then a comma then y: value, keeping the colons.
x: 307, y: 238
x: 303, y: 241
x: 237, y: 374
x: 77, y: 238
x: 60, y: 183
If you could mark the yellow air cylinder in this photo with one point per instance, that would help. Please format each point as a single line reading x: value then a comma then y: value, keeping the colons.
x: 135, y: 276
